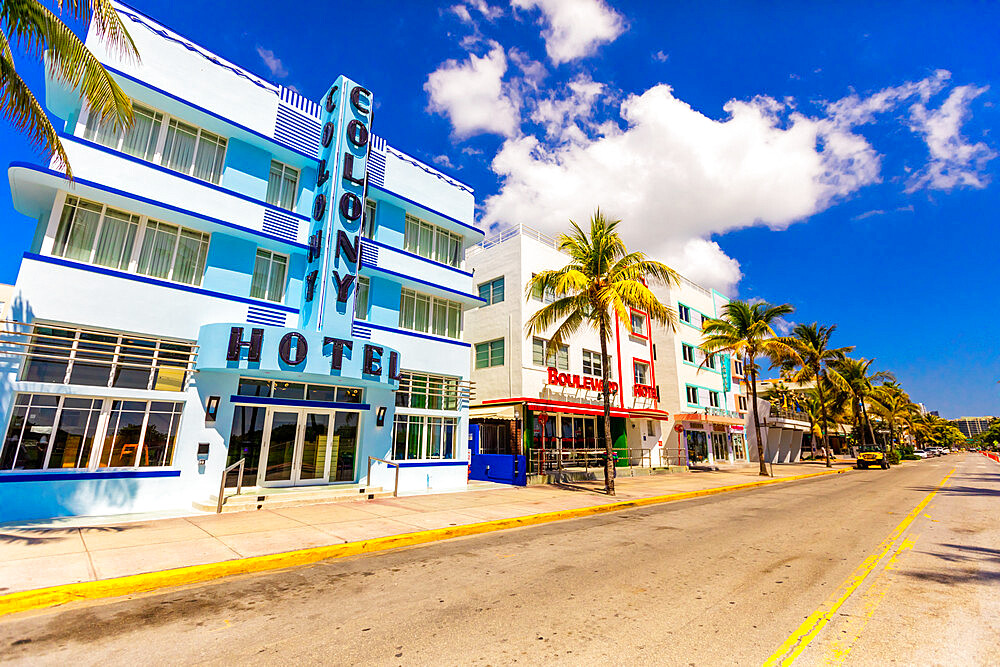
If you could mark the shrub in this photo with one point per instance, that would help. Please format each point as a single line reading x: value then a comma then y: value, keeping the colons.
x: 892, y: 456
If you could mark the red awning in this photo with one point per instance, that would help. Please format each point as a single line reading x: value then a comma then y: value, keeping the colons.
x: 573, y: 408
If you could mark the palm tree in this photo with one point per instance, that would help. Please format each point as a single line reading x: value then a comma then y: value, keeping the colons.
x: 814, y: 356
x: 893, y: 406
x: 602, y: 283
x: 861, y: 385
x: 28, y: 24
x: 745, y: 331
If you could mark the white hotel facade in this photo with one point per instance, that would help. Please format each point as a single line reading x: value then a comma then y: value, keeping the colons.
x: 245, y: 274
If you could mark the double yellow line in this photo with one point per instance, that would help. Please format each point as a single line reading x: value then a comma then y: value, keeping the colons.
x: 139, y: 583
x: 800, y: 639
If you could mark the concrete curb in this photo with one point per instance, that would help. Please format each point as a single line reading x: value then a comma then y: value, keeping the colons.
x: 41, y: 598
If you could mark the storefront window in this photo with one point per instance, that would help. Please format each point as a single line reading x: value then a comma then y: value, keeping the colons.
x: 697, y: 445
x: 345, y: 445
x: 30, y: 432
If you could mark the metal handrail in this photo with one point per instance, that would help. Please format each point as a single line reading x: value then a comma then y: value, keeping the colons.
x: 222, y: 486
x: 368, y: 478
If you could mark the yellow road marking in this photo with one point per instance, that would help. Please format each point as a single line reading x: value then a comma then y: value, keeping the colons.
x: 139, y: 583
x: 805, y: 633
x: 872, y: 598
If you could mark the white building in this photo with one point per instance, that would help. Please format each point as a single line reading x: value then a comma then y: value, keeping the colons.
x: 547, y: 404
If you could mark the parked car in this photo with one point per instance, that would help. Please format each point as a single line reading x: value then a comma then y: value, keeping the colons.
x: 919, y: 453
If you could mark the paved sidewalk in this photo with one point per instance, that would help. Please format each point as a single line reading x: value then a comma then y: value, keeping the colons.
x: 40, y: 556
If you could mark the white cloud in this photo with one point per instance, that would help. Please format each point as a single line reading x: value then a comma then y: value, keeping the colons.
x: 273, y: 63
x: 676, y: 177
x: 954, y: 162
x: 489, y: 12
x: 443, y: 161
x: 559, y: 116
x: 575, y: 28
x: 472, y: 95
x: 661, y: 57
x: 462, y: 12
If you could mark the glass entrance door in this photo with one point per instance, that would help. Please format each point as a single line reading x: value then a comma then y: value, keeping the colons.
x: 308, y: 447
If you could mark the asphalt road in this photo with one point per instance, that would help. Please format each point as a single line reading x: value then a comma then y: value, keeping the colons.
x: 727, y: 579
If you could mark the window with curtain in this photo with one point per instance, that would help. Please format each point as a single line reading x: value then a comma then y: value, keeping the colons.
x: 432, y: 242
x: 641, y: 372
x: 427, y: 314
x: 193, y: 151
x: 361, y: 298
x: 420, y: 437
x: 282, y: 185
x: 368, y: 223
x: 173, y: 253
x: 269, y: 272
x: 139, y: 140
x: 93, y: 233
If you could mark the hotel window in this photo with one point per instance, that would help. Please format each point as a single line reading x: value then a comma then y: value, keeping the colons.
x: 194, y: 151
x: 741, y: 402
x: 368, y: 222
x: 692, y: 395
x: 361, y: 298
x: 641, y: 374
x: 688, y: 352
x: 737, y: 367
x: 432, y: 242
x: 490, y: 353
x: 638, y: 324
x: 96, y: 234
x: 420, y: 437
x: 425, y: 391
x: 282, y: 185
x: 713, y: 399
x: 268, y: 280
x: 173, y: 253
x: 491, y: 291
x: 139, y: 140
x: 543, y: 355
x: 710, y: 361
x: 296, y: 391
x: 49, y: 431
x: 546, y: 296
x: 592, y: 364
x: 65, y: 355
x: 420, y: 312
x: 684, y: 313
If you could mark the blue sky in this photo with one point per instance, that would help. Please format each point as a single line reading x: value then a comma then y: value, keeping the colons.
x: 838, y: 157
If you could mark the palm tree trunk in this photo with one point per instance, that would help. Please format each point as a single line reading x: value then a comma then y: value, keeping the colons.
x: 868, y: 422
x: 823, y: 420
x: 609, y: 480
x: 756, y: 420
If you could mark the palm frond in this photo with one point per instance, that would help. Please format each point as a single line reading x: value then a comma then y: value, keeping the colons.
x: 22, y: 109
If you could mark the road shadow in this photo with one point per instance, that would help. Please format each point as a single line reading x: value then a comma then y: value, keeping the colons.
x: 959, y: 490
x: 982, y: 565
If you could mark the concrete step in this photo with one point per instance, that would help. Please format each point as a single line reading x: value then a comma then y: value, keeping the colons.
x: 257, y: 498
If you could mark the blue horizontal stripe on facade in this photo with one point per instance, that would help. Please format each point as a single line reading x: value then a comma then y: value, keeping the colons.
x: 261, y: 319
x: 428, y: 209
x: 417, y: 334
x: 430, y: 464
x: 151, y: 281
x: 365, y: 242
x: 423, y: 282
x: 146, y: 200
x: 291, y: 403
x: 153, y: 165
x: 13, y: 477
x: 196, y: 107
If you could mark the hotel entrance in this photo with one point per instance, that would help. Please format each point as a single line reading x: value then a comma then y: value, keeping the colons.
x: 306, y: 446
x: 291, y: 434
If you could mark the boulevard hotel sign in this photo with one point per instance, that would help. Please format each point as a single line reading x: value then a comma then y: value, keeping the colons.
x: 323, y: 343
